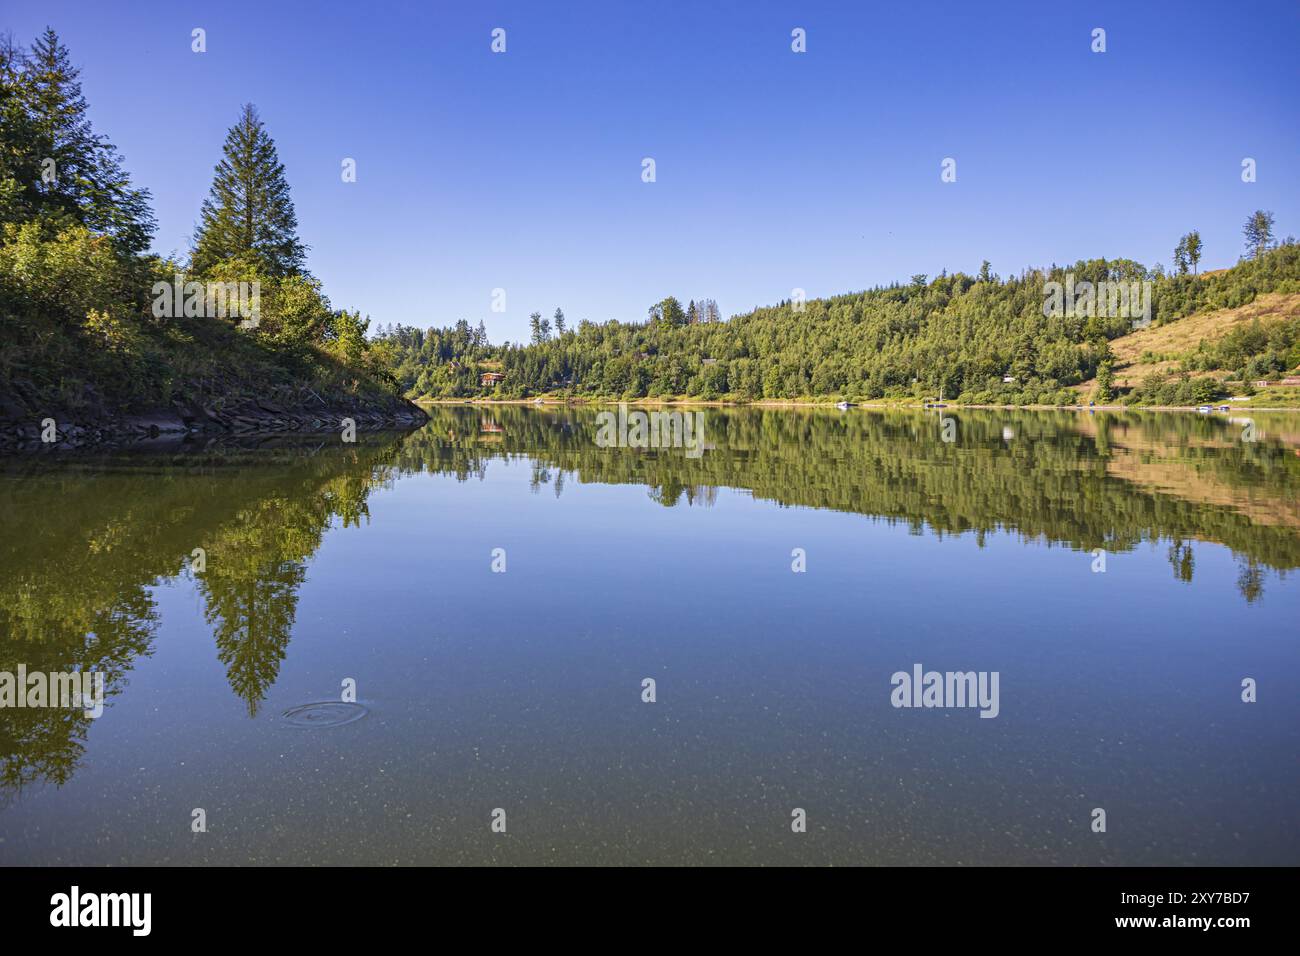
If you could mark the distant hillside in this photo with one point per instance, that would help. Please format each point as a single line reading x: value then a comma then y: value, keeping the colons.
x: 977, y: 339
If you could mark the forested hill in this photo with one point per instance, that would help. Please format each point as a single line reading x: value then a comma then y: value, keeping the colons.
x: 100, y: 338
x: 979, y: 339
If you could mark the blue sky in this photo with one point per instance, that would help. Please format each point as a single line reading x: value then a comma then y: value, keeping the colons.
x: 775, y: 170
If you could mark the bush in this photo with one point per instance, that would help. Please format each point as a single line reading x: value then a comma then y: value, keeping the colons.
x: 1206, y: 390
x: 65, y: 273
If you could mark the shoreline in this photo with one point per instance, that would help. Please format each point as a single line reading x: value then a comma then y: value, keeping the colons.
x: 180, y: 423
x: 254, y: 419
x: 795, y: 403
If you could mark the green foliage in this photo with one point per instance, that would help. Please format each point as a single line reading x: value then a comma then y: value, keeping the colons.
x: 53, y: 166
x: 1192, y: 245
x: 78, y: 333
x: 62, y: 273
x: 348, y: 336
x: 295, y: 310
x: 1255, y: 350
x: 668, y: 312
x: 1105, y: 383
x: 955, y: 333
x: 1206, y: 390
x: 1258, y: 232
x: 248, y: 213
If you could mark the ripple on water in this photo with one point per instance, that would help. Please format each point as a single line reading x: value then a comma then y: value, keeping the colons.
x: 325, y: 713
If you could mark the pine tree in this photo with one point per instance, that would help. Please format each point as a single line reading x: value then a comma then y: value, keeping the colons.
x: 248, y: 214
x: 559, y: 321
x: 669, y: 311
x: 1258, y: 232
x: 85, y: 180
x: 1194, y: 249
x: 1105, y: 383
x: 19, y: 162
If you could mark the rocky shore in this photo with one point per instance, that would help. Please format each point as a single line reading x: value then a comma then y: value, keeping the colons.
x: 288, y: 410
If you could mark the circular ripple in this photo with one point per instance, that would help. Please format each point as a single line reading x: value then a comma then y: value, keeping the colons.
x: 324, y: 713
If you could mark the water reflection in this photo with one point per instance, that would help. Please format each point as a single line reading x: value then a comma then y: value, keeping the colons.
x: 87, y: 538
x: 1106, y: 481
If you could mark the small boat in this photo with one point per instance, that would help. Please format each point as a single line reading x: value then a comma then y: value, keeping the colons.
x: 1204, y: 409
x: 1225, y: 408
x: 843, y: 406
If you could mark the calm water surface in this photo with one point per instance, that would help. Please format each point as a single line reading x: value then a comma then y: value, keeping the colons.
x: 523, y: 690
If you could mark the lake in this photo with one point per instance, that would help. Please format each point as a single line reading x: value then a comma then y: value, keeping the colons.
x: 566, y: 650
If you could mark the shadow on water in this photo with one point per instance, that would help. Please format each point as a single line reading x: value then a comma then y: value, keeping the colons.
x: 87, y: 536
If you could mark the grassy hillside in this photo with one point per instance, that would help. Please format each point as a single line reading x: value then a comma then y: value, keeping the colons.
x: 79, y: 344
x: 1211, y: 355
x: 184, y: 373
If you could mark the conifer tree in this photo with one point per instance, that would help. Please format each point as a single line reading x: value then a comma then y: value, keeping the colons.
x: 1259, y: 232
x: 1194, y: 249
x: 248, y: 214
x: 61, y: 165
x: 19, y: 164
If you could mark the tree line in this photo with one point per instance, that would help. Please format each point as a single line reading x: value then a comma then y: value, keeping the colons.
x: 971, y: 338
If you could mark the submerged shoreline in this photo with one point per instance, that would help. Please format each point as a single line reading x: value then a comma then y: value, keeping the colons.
x: 181, y: 422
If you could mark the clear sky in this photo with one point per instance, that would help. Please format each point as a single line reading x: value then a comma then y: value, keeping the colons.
x: 775, y: 170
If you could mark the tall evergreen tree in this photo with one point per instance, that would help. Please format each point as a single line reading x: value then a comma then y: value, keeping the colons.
x: 52, y: 151
x: 248, y: 214
x: 1258, y: 232
x: 19, y: 164
x: 1194, y: 249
